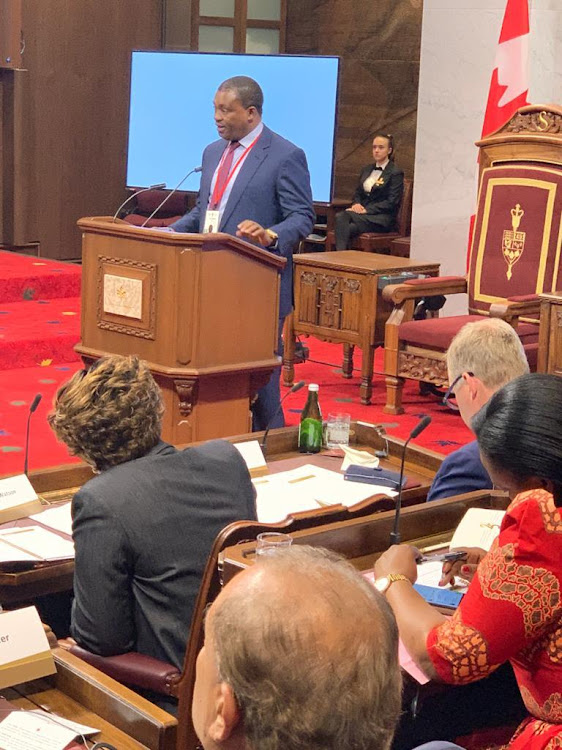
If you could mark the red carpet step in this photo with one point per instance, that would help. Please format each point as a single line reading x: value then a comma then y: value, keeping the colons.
x: 446, y: 433
x: 36, y: 333
x: 23, y: 277
x: 17, y: 390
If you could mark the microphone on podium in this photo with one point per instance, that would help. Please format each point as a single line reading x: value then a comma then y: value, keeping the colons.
x: 420, y: 427
x: 158, y: 186
x: 32, y: 408
x: 167, y: 198
x: 294, y: 389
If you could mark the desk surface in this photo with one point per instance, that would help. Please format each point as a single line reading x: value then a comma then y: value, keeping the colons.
x: 61, y: 483
x: 362, y: 540
x: 355, y: 260
x: 81, y: 693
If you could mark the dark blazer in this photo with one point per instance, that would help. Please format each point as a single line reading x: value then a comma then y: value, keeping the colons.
x: 461, y: 471
x: 383, y: 201
x: 272, y: 188
x: 143, y: 531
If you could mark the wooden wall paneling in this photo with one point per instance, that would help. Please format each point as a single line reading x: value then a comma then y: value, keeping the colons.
x: 76, y: 110
x: 10, y: 33
x: 18, y: 226
x: 177, y: 16
x: 379, y: 46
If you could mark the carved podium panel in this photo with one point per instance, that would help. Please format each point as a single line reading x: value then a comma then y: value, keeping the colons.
x: 200, y: 309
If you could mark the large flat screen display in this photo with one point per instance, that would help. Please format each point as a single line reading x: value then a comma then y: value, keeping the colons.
x: 171, y: 111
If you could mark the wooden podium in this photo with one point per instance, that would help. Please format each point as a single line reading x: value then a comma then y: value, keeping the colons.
x: 201, y: 309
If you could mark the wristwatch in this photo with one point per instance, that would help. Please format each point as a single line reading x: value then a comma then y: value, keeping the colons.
x: 274, y: 237
x: 383, y: 584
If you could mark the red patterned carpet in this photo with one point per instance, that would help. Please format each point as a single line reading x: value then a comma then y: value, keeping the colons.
x: 40, y: 323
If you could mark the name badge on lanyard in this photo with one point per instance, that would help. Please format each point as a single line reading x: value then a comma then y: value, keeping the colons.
x: 212, y: 219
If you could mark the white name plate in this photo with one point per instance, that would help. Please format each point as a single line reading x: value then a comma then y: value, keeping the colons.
x: 24, y: 650
x: 17, y: 498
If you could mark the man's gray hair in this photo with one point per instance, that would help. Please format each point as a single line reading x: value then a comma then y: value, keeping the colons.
x: 310, y: 650
x: 490, y: 349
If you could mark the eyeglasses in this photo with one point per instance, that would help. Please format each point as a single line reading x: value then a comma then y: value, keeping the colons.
x: 450, y: 394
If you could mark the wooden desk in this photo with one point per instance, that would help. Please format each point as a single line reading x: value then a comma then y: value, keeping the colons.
x: 338, y: 298
x: 61, y: 483
x: 81, y: 693
x: 362, y: 540
x: 550, y: 334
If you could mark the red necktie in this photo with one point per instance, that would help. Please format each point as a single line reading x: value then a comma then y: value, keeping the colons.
x: 224, y: 171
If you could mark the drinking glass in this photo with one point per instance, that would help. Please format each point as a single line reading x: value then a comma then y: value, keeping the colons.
x: 271, y: 541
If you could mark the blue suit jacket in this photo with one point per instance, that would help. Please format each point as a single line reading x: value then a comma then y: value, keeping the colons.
x: 272, y: 188
x: 461, y: 471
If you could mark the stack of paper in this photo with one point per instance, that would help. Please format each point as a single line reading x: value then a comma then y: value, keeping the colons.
x: 57, y: 517
x: 33, y: 544
x: 308, y: 488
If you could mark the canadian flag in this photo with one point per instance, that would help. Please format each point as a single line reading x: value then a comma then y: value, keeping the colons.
x: 509, y: 86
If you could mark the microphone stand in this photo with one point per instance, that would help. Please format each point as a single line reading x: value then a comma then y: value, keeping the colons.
x: 34, y: 405
x: 167, y: 198
x: 294, y: 389
x: 158, y: 186
x: 395, y: 536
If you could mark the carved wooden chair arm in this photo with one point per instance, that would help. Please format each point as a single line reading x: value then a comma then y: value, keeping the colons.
x: 415, y: 288
x: 527, y: 305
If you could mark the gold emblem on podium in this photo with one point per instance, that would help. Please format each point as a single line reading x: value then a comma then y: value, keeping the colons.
x: 513, y: 242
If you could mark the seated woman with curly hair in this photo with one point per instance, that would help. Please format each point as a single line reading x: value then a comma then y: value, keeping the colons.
x: 143, y: 527
x: 513, y: 608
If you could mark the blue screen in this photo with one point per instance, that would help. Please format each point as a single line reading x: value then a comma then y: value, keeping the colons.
x: 171, y: 111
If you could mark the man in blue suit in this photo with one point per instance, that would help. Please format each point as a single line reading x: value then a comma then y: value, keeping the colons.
x: 258, y: 189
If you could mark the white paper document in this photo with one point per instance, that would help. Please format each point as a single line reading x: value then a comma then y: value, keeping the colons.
x: 33, y: 543
x: 308, y: 488
x: 26, y: 730
x: 78, y: 729
x: 429, y: 574
x: 478, y: 528
x: 58, y: 517
x: 252, y: 454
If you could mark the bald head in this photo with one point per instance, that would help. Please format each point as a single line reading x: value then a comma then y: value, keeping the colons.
x: 294, y: 634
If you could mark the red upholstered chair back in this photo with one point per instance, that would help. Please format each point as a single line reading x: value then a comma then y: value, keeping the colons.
x: 146, y: 203
x: 516, y: 242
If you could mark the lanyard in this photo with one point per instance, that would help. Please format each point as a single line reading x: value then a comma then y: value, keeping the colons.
x: 218, y: 194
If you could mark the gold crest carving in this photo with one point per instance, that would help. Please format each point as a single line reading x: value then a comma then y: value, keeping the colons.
x: 513, y: 243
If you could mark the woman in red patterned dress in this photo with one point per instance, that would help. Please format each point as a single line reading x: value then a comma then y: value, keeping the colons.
x: 513, y: 607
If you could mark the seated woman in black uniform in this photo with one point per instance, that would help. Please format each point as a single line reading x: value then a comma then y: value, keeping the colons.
x: 377, y: 198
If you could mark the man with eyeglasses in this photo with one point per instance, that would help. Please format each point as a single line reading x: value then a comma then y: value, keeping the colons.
x: 482, y: 357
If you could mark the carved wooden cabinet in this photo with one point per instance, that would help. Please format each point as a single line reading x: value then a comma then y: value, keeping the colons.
x: 550, y: 337
x: 338, y: 298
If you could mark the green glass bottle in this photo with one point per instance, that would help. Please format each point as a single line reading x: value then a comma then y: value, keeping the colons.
x: 310, y: 429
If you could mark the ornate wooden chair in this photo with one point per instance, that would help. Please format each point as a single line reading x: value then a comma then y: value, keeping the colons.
x: 375, y: 242
x: 515, y: 253
x: 146, y: 673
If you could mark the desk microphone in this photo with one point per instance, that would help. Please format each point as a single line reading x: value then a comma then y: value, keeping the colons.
x: 167, y: 198
x: 34, y: 405
x: 420, y: 427
x: 158, y: 186
x: 294, y: 389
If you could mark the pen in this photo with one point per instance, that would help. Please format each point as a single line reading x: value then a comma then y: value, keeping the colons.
x: 445, y: 557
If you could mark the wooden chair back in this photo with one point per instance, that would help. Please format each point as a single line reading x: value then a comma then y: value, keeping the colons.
x: 515, y: 243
